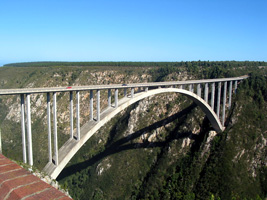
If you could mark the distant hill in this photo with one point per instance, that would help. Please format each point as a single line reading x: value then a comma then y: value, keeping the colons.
x: 138, y: 64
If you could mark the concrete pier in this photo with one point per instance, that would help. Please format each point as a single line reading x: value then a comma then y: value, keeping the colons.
x: 219, y: 99
x: 235, y: 86
x: 49, y: 129
x: 29, y: 130
x: 116, y: 97
x: 190, y: 88
x: 206, y: 93
x: 91, y: 105
x: 78, y: 115
x: 109, y: 97
x: 22, y: 104
x: 55, y: 126
x: 125, y: 92
x: 224, y: 102
x: 98, y: 105
x: 230, y: 94
x: 132, y: 92
x: 199, y: 90
x: 71, y: 115
x: 146, y: 89
x: 212, y: 95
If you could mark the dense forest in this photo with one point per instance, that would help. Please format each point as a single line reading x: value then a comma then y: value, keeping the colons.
x: 187, y: 64
x: 159, y: 148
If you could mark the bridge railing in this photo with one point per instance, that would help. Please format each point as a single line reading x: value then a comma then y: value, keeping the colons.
x: 204, y: 89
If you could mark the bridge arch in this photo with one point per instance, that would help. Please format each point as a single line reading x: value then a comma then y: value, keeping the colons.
x: 71, y: 147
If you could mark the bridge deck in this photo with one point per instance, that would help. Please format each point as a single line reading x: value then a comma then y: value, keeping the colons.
x: 113, y: 86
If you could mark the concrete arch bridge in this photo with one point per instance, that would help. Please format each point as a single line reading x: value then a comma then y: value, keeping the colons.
x: 59, y: 158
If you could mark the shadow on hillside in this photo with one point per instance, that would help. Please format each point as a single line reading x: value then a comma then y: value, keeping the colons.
x: 120, y: 145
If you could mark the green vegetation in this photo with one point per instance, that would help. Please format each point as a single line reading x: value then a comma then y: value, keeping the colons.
x: 157, y: 148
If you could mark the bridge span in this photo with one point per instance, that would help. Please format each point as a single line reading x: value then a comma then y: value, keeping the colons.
x: 58, y: 159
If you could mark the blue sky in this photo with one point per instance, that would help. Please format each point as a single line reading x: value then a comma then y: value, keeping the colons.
x: 137, y: 30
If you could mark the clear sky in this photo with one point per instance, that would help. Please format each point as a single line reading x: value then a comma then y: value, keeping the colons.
x: 136, y: 30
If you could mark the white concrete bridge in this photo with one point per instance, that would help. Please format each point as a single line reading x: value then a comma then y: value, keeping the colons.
x: 58, y: 159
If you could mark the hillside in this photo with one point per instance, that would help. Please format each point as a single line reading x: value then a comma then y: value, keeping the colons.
x: 162, y: 147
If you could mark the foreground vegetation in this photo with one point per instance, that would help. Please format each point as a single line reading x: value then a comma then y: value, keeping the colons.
x: 160, y: 148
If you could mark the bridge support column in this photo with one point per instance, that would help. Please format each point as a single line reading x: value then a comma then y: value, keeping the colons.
x: 29, y: 130
x: 146, y: 89
x: 23, y: 128
x: 190, y: 88
x: 55, y: 126
x: 109, y: 97
x: 132, y: 92
x: 91, y: 105
x: 235, y: 86
x: 116, y: 98
x: 219, y: 99
x: 98, y: 105
x: 224, y: 102
x: 206, y: 92
x: 71, y: 114
x: 125, y: 92
x: 49, y: 129
x: 212, y: 95
x: 230, y: 94
x: 78, y: 115
x: 180, y: 86
x: 199, y: 89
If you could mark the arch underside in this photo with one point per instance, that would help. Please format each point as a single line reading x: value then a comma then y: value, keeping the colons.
x: 69, y: 149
